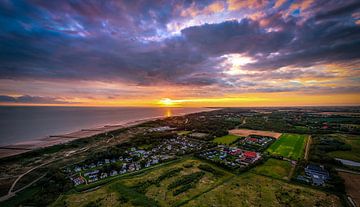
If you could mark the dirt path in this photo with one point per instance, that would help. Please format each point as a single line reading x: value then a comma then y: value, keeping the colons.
x: 307, y: 148
x: 22, y: 175
x: 352, y: 185
x: 12, y: 193
x: 347, y: 171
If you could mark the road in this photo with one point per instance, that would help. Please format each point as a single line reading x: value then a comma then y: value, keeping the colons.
x: 307, y: 149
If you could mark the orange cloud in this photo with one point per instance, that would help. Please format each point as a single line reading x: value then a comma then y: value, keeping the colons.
x: 301, y: 5
x: 234, y: 5
x: 193, y: 11
x: 279, y: 3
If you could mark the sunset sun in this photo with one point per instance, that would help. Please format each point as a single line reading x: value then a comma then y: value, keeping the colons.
x: 166, y: 102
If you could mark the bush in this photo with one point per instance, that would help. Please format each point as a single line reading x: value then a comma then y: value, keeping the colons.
x: 183, y: 189
x: 210, y: 169
x: 186, y: 179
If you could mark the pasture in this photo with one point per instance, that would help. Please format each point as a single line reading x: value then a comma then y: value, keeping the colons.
x: 289, y: 146
x: 227, y: 139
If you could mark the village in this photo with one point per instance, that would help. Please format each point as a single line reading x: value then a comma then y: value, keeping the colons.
x: 243, y: 153
x: 135, y: 159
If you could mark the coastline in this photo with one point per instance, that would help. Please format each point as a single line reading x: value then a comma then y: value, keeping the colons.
x: 51, y: 140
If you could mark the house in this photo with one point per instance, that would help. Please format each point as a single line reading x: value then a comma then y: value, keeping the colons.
x: 155, y: 161
x: 235, y: 151
x: 77, y: 180
x: 103, y: 175
x: 250, y: 154
x: 317, y: 173
x: 251, y: 139
x: 113, y: 173
x: 91, y: 173
x: 77, y: 169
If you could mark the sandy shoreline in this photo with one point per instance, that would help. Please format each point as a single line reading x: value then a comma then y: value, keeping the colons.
x: 26, y: 146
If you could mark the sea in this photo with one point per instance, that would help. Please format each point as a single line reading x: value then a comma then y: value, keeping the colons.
x: 26, y: 123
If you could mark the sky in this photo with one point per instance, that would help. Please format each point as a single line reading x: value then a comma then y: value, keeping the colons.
x: 180, y: 53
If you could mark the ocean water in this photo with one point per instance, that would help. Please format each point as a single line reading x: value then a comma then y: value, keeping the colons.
x: 24, y: 123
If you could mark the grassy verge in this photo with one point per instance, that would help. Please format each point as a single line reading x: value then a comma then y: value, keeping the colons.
x: 227, y: 139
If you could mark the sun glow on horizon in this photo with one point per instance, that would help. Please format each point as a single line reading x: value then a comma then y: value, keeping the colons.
x: 166, y: 102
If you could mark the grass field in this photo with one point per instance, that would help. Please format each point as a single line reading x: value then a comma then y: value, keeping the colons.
x: 122, y: 191
x: 289, y: 145
x: 249, y: 189
x: 354, y: 154
x: 227, y: 139
x: 274, y: 168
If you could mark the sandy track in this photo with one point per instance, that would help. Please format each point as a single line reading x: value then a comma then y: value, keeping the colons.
x: 247, y: 132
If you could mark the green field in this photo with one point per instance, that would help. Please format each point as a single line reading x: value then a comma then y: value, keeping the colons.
x: 274, y: 168
x: 227, y: 139
x: 250, y: 189
x: 223, y: 189
x: 289, y: 145
x: 354, y: 142
x: 123, y: 192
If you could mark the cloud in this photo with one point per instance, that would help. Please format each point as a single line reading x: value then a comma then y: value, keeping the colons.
x: 130, y: 41
x: 31, y: 99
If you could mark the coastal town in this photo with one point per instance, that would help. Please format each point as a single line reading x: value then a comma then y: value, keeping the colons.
x: 182, y: 156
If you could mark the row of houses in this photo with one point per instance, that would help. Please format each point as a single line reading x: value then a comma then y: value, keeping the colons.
x: 232, y: 157
x: 134, y: 159
x: 256, y: 142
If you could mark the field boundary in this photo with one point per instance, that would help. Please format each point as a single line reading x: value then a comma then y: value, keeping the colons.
x: 307, y: 148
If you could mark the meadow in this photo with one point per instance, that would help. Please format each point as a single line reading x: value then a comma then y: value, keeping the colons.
x: 140, y: 190
x: 250, y: 189
x: 354, y: 142
x: 227, y: 139
x: 274, y: 168
x: 289, y: 145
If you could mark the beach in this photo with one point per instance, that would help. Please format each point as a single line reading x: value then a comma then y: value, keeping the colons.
x: 51, y: 140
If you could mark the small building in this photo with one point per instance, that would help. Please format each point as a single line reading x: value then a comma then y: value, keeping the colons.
x: 250, y: 154
x: 317, y: 173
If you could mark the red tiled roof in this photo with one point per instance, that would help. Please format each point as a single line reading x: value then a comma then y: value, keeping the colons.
x: 250, y: 154
x: 252, y: 139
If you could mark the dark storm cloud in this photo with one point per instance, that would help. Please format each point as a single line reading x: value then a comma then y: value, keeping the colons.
x: 30, y: 99
x: 345, y: 10
x: 129, y: 41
